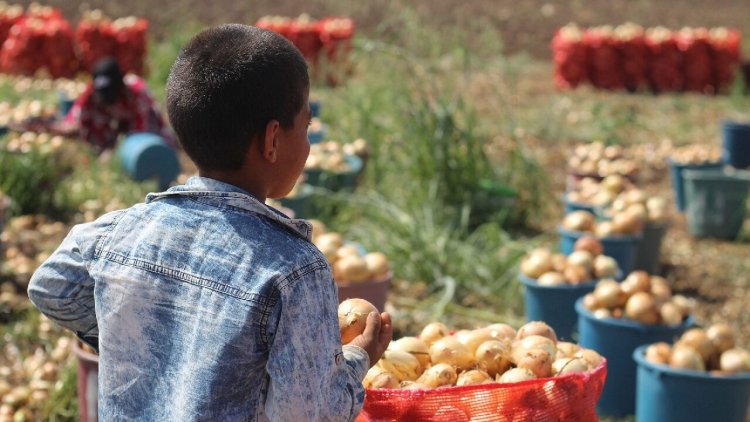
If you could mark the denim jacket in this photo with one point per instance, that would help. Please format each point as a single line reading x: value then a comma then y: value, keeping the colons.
x: 204, y: 305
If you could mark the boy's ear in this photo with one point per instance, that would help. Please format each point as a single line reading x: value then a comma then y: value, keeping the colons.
x: 269, y: 145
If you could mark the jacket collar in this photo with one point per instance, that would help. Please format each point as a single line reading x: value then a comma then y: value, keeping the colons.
x: 233, y: 196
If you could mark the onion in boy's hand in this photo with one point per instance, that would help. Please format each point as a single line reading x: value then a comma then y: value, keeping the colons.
x: 362, y: 325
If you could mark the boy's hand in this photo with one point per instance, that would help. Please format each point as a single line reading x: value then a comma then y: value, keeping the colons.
x: 376, y: 337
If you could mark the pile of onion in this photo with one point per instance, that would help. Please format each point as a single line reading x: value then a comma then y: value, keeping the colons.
x: 596, y: 159
x: 712, y: 349
x: 349, y: 264
x: 584, y: 265
x: 628, y: 222
x: 640, y: 297
x: 439, y: 357
x: 697, y: 154
x: 615, y: 195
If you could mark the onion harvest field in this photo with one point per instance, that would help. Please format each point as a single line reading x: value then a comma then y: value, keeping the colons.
x: 451, y: 176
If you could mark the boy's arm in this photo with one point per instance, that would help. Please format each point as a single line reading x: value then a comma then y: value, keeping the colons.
x: 62, y: 288
x: 311, y: 377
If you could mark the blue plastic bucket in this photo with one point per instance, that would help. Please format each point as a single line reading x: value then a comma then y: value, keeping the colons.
x: 554, y: 304
x: 147, y: 155
x: 621, y: 248
x: 315, y: 108
x: 64, y: 104
x: 648, y: 252
x: 678, y: 184
x: 736, y: 144
x: 302, y: 203
x: 336, y: 181
x: 571, y: 206
x: 666, y: 394
x: 616, y: 339
x: 717, y: 202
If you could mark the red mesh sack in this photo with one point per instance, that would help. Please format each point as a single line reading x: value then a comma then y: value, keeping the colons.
x: 725, y: 44
x: 631, y: 42
x: 606, y: 70
x: 336, y: 45
x: 569, y: 398
x: 665, y: 61
x: 130, y: 44
x: 280, y: 25
x: 303, y: 33
x: 23, y: 51
x: 8, y: 18
x: 697, y: 59
x: 570, y: 57
x: 60, y: 57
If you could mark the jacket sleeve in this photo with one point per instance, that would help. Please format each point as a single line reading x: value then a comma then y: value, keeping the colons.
x: 62, y: 288
x: 312, y: 378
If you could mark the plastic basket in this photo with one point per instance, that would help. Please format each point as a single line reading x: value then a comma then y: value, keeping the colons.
x: 88, y: 384
x: 571, y: 206
x: 147, y: 155
x: 336, y: 181
x: 616, y: 339
x: 375, y: 291
x: 570, y: 397
x: 716, y: 202
x: 302, y: 204
x: 621, y: 248
x: 736, y: 144
x: 678, y: 185
x: 648, y: 252
x: 673, y: 395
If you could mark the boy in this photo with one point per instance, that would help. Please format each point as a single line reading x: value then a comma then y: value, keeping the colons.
x: 204, y: 303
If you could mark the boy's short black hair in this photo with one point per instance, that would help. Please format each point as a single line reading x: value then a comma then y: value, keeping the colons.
x: 227, y: 83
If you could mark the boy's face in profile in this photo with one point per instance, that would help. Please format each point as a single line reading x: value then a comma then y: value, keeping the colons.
x: 294, y: 147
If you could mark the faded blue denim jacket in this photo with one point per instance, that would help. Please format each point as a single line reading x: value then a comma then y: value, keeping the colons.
x: 205, y: 305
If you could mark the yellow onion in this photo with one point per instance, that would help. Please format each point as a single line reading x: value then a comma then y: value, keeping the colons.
x: 637, y: 281
x: 520, y: 347
x: 493, y: 356
x: 351, y: 268
x: 538, y: 262
x: 699, y: 341
x: 413, y: 385
x: 582, y: 258
x: 537, y: 361
x: 551, y: 278
x: 432, y: 332
x: 516, y: 375
x: 686, y: 305
x: 568, y: 366
x: 590, y: 302
x: 608, y: 293
x: 642, y: 308
x: 602, y: 313
x: 501, y: 331
x: 566, y: 349
x: 660, y: 288
x: 605, y: 266
x: 472, y: 339
x: 353, y: 318
x: 721, y: 336
x: 735, y: 360
x: 404, y: 366
x: 685, y: 357
x: 378, y: 377
x: 589, y: 244
x: 347, y: 250
x: 670, y: 314
x: 577, y: 274
x: 559, y: 262
x: 580, y: 221
x: 438, y: 375
x: 591, y: 357
x: 536, y: 328
x: 415, y: 346
x: 450, y: 351
x: 318, y: 228
x: 377, y: 264
x: 473, y: 377
x: 659, y: 353
x: 334, y: 239
x: 604, y: 229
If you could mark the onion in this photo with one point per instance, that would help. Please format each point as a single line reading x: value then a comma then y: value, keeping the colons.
x: 637, y: 281
x: 660, y: 288
x: 520, y: 347
x: 614, y: 182
x: 538, y: 262
x: 577, y: 274
x: 670, y: 314
x: 659, y: 353
x: 604, y: 229
x: 589, y: 244
x: 432, y: 332
x: 605, y: 266
x: 438, y: 375
x: 566, y: 349
x: 698, y: 340
x: 516, y: 375
x: 568, y: 366
x: 450, y: 351
x: 551, y: 278
x: 330, y: 238
x: 377, y: 264
x: 536, y: 328
x: 415, y: 346
x: 607, y: 293
x: 347, y: 250
x: 501, y: 331
x: 590, y: 302
x: 591, y: 357
x: 350, y: 268
x: 580, y: 221
x: 318, y: 228
x: 413, y: 385
x: 686, y: 305
x: 377, y: 377
x: 473, y: 377
x: 602, y: 313
x: 627, y: 222
x: 537, y: 361
x: 474, y: 338
x: 404, y: 366
x: 721, y: 336
x: 685, y: 357
x: 559, y: 262
x: 353, y: 318
x: 642, y: 308
x: 735, y: 360
x: 493, y: 356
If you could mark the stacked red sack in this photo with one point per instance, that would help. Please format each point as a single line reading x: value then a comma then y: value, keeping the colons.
x: 41, y: 40
x: 9, y: 15
x: 124, y: 39
x: 694, y: 59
